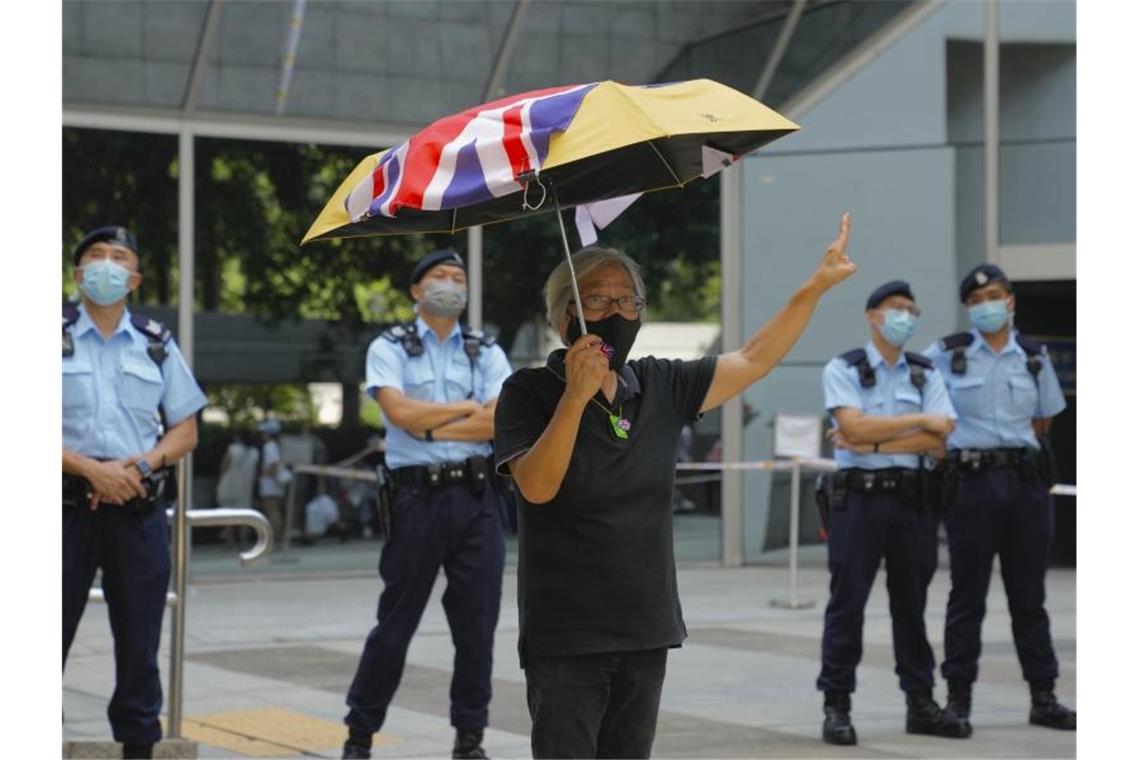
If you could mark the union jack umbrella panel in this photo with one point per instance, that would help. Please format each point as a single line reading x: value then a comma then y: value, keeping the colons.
x: 576, y: 144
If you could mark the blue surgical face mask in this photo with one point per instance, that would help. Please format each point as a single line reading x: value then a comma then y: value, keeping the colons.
x: 989, y: 316
x: 105, y: 282
x: 898, y: 326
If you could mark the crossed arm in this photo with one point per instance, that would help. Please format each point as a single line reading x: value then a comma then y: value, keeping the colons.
x: 466, y: 420
x: 900, y: 434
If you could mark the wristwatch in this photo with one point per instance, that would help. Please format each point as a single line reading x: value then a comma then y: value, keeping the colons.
x: 876, y: 449
x: 428, y: 436
x: 144, y: 469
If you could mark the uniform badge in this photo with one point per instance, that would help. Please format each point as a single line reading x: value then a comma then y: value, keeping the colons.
x: 980, y: 278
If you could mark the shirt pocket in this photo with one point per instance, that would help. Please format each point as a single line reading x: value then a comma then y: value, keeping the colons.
x: 874, y: 402
x: 460, y: 383
x: 78, y: 386
x: 907, y: 400
x: 140, y: 389
x: 1023, y: 396
x: 968, y: 395
x: 418, y: 381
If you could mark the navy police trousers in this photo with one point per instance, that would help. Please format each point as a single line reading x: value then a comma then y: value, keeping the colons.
x: 999, y: 512
x: 863, y: 532
x: 134, y: 554
x: 463, y: 533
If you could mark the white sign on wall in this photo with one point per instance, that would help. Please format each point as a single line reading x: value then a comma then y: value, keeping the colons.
x: 798, y: 435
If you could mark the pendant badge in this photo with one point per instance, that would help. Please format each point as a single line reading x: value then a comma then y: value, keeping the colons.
x: 620, y: 426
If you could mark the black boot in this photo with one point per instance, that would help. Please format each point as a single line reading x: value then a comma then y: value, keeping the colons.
x: 359, y: 744
x: 837, y: 728
x: 923, y: 715
x: 138, y: 750
x: 956, y: 715
x: 1046, y: 711
x: 469, y: 744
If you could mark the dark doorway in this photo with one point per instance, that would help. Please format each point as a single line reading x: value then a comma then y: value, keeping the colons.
x: 1047, y: 311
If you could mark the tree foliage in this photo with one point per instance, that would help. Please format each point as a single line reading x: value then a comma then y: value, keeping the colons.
x: 255, y: 200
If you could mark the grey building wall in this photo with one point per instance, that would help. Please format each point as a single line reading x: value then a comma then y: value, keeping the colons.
x: 900, y: 148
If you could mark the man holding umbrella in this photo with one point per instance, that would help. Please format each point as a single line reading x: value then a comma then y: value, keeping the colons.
x: 590, y: 441
x: 437, y: 385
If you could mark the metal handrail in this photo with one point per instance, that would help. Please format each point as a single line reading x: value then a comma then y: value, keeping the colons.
x: 333, y: 471
x: 218, y: 518
x: 795, y: 465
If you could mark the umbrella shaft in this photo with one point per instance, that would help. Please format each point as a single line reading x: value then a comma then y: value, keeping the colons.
x: 569, y: 259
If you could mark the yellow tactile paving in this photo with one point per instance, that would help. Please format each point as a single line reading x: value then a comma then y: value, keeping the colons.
x: 271, y: 732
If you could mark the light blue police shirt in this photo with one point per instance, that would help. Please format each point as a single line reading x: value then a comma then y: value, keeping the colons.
x: 893, y: 394
x: 441, y: 374
x: 997, y: 398
x: 112, y: 391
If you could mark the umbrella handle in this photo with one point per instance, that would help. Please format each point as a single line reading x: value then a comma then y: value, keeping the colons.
x: 569, y: 258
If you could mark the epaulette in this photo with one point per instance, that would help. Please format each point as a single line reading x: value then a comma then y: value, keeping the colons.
x: 156, y: 334
x: 484, y: 340
x: 919, y: 359
x: 407, y: 337
x: 1029, y: 345
x: 918, y: 365
x: 70, y: 317
x: 857, y: 357
x: 151, y: 328
x: 957, y: 343
x: 1033, y: 352
x: 957, y: 340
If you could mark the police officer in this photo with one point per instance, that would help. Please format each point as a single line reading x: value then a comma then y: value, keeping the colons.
x: 1006, y: 393
x: 437, y: 385
x: 121, y: 372
x: 891, y: 409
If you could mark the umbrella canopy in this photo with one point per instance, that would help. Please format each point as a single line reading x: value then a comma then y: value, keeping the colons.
x: 567, y: 145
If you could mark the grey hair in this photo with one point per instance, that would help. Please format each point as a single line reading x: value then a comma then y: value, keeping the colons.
x: 558, y: 291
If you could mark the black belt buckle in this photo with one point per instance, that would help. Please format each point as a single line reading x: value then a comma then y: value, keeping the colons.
x: 455, y: 472
x: 868, y: 482
x: 888, y: 481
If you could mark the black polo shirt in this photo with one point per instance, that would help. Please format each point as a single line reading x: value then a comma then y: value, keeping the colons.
x: 596, y: 570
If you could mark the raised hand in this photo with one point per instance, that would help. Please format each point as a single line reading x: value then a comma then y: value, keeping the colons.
x: 836, y: 265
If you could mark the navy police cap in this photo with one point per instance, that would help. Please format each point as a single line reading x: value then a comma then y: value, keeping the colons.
x: 435, y: 258
x: 892, y: 288
x: 979, y: 277
x: 109, y: 234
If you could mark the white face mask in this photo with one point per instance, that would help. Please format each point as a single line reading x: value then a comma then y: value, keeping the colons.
x: 445, y: 298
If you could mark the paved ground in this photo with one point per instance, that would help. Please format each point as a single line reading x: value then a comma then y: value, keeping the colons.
x: 271, y: 651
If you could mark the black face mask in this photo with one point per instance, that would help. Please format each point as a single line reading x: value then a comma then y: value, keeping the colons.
x: 616, y: 331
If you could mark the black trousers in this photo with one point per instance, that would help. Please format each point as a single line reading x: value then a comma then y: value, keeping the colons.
x: 463, y: 533
x: 865, y: 532
x: 999, y: 512
x: 595, y: 705
x: 134, y: 553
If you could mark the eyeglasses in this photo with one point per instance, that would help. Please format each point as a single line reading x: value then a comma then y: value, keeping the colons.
x: 602, y: 303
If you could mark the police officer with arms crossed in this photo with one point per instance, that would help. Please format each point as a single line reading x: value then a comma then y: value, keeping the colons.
x: 891, y: 408
x: 1006, y: 393
x: 119, y: 372
x: 437, y: 384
